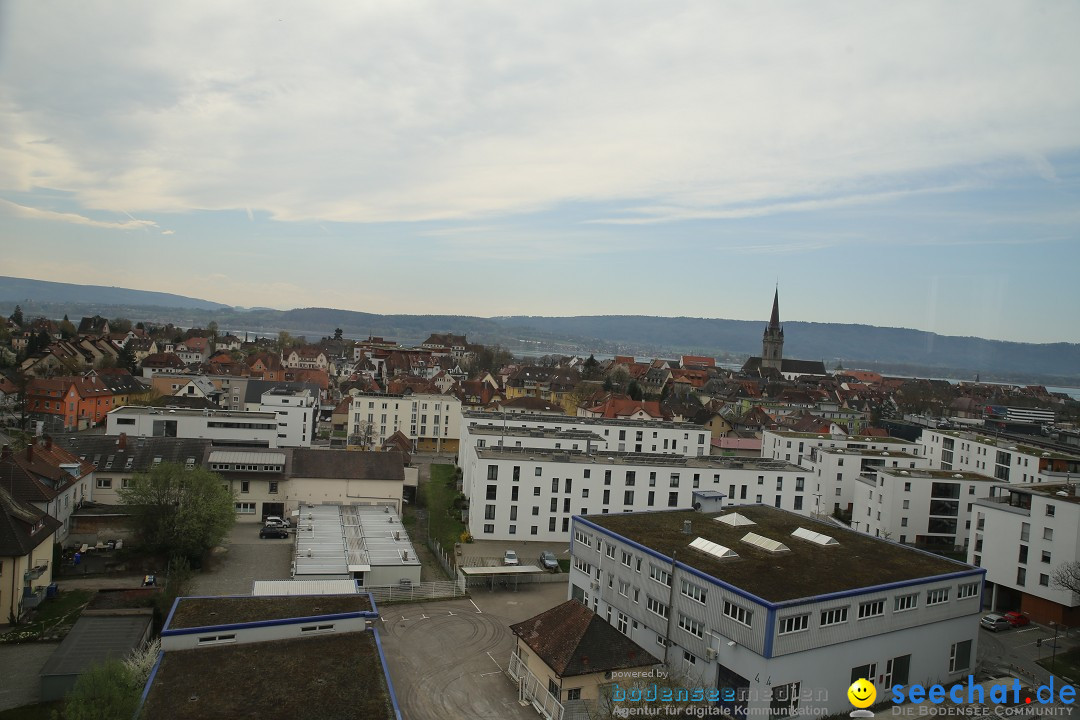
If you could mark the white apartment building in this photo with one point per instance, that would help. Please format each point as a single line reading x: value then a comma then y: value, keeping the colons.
x: 531, y: 493
x: 1003, y: 458
x: 786, y: 610
x: 222, y: 427
x: 836, y: 472
x: 431, y: 422
x: 930, y: 509
x: 297, y: 412
x: 1021, y: 535
x: 793, y: 446
x: 618, y: 435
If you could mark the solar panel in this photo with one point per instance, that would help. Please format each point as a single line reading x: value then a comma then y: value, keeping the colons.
x: 735, y: 520
x: 814, y: 537
x: 764, y: 543
x: 710, y: 548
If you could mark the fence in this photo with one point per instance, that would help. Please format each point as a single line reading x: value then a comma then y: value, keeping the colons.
x: 417, y: 591
x: 446, y: 560
x: 532, y: 690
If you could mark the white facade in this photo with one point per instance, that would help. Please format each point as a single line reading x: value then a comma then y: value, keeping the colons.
x: 430, y: 421
x: 617, y: 435
x: 836, y: 472
x: 928, y: 508
x: 1020, y: 537
x: 254, y: 429
x: 531, y: 493
x: 296, y: 412
x: 920, y: 627
x: 1004, y: 459
x: 795, y: 446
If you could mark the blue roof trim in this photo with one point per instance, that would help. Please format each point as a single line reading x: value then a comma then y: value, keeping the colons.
x: 386, y: 673
x: 867, y: 590
x: 770, y: 632
x: 172, y: 611
x: 149, y: 682
x: 268, y: 623
x: 371, y: 599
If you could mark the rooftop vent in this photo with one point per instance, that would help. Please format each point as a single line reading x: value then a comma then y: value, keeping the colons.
x: 686, y: 527
x: 735, y: 520
x: 710, y: 548
x: 768, y: 544
x: 814, y: 537
x: 958, y: 476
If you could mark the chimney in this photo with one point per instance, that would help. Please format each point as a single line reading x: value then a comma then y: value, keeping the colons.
x: 30, y: 452
x: 48, y: 442
x: 121, y: 442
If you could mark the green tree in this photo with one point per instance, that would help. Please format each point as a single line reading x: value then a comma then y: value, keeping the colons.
x: 590, y: 369
x: 285, y: 341
x: 67, y: 329
x: 634, y: 390
x: 17, y: 316
x: 106, y: 691
x: 126, y: 359
x: 179, y: 512
x: 338, y: 333
x: 120, y: 325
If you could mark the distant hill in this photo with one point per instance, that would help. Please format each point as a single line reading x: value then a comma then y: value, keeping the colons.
x: 896, y: 350
x: 17, y: 290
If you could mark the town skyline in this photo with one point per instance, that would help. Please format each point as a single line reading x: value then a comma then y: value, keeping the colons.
x: 912, y: 166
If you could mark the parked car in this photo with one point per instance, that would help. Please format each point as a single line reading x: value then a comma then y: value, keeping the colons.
x: 510, y: 558
x: 275, y: 521
x: 1017, y: 619
x: 548, y: 561
x: 273, y: 532
x: 995, y: 622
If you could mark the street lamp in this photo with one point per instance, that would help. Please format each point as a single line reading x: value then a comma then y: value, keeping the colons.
x: 1053, y: 651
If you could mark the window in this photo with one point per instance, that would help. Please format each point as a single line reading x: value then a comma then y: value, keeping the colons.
x: 693, y: 592
x: 626, y: 557
x: 1023, y: 554
x: 1044, y: 579
x: 967, y: 590
x: 673, y: 499
x: 905, y: 602
x: 1021, y: 576
x: 691, y: 626
x: 738, y: 613
x: 624, y: 623
x: 674, y: 480
x: 960, y: 656
x: 537, y: 472
x: 1046, y: 556
x: 536, y: 492
x: 104, y: 483
x: 1048, y: 533
x: 245, y: 508
x: 661, y: 576
x: 628, y: 497
x: 609, y: 550
x: 216, y: 639
x: 631, y: 478
x: 794, y: 624
x: 492, y: 492
x: 833, y: 617
x: 1050, y: 511
x: 874, y: 608
x: 489, y: 529
x: 554, y: 485
x: 689, y: 657
x: 656, y: 607
x: 936, y: 597
x: 489, y: 512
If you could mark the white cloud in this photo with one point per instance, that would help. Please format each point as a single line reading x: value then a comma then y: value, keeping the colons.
x: 75, y: 218
x: 414, y: 110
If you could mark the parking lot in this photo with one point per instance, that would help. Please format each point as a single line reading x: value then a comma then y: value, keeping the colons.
x: 247, y: 559
x: 1019, y: 648
x: 448, y: 659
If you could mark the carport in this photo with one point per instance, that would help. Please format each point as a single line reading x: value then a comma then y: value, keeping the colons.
x: 508, y: 576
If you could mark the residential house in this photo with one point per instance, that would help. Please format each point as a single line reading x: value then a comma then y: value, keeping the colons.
x: 26, y: 553
x: 50, y: 478
x: 193, y: 350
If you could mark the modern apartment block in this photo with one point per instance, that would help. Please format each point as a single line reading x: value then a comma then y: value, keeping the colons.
x: 222, y: 427
x: 1021, y: 535
x: 795, y: 447
x: 297, y: 413
x: 529, y: 493
x: 836, y: 472
x: 1003, y: 458
x: 930, y: 509
x: 430, y: 421
x: 618, y: 435
x: 786, y: 610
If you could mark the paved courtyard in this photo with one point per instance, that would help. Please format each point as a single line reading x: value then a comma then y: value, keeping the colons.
x: 248, y: 558
x: 20, y: 670
x: 448, y: 659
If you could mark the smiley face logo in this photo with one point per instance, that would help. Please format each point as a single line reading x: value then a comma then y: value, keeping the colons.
x: 862, y: 693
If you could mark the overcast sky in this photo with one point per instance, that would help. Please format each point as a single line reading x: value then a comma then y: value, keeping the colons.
x: 912, y: 164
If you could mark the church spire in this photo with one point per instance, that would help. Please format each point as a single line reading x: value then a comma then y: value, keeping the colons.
x: 774, y: 319
x: 772, y: 343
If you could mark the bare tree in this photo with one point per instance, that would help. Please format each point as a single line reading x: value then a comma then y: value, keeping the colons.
x: 1067, y: 576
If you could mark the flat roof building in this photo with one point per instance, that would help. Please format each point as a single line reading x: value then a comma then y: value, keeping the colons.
x: 776, y: 604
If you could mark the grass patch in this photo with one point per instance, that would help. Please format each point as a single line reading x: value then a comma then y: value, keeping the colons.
x: 1065, y: 664
x: 445, y: 520
x: 564, y: 565
x: 54, y: 617
x: 41, y: 711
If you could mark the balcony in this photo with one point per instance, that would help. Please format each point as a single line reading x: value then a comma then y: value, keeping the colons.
x: 35, y: 572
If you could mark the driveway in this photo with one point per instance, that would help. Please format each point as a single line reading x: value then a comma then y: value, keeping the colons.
x: 20, y: 666
x: 247, y: 558
x: 449, y: 659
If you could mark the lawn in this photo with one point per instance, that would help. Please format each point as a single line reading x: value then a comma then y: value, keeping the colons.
x: 1065, y: 664
x: 444, y: 520
x: 54, y: 617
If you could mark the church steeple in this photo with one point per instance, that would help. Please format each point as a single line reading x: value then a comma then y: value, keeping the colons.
x: 772, y: 343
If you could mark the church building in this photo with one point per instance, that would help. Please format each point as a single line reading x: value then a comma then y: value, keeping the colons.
x: 772, y: 352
